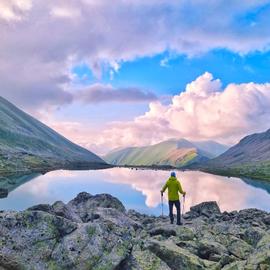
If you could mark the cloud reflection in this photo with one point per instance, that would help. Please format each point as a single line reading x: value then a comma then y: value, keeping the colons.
x: 129, y: 186
x: 230, y: 193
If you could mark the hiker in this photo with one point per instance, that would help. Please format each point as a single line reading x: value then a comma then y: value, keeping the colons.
x: 174, y: 187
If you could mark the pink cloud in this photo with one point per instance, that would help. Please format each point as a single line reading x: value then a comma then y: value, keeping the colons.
x: 203, y: 111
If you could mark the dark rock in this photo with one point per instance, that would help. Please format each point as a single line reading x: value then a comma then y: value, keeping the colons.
x: 226, y: 259
x: 253, y: 235
x: 208, y: 250
x: 3, y: 192
x: 207, y: 209
x: 10, y: 263
x: 62, y: 210
x: 81, y: 198
x: 100, y: 200
x: 166, y: 232
x: 266, y: 220
x: 107, y: 201
x: 41, y: 207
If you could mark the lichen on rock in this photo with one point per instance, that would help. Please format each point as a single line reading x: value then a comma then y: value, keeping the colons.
x: 96, y: 232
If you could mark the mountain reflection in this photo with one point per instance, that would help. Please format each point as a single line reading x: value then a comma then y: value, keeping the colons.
x: 138, y: 189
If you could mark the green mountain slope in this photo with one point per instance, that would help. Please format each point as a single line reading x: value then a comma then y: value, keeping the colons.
x: 177, y: 153
x: 250, y: 157
x: 27, y: 144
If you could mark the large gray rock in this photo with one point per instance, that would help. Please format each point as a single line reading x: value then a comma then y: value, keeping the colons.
x: 66, y: 236
x: 207, y: 209
x: 96, y: 232
x: 174, y: 256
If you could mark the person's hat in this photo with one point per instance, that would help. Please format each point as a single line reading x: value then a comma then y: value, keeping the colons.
x: 173, y: 174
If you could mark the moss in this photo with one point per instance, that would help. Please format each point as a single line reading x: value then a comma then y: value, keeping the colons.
x: 91, y: 231
x: 91, y: 264
x: 148, y: 261
x: 105, y: 266
x: 52, y: 265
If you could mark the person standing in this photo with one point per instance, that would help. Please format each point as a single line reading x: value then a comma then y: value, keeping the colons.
x: 174, y: 188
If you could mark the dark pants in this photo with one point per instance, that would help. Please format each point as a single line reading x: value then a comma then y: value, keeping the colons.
x: 178, y: 211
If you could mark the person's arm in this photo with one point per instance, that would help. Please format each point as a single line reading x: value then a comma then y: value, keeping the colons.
x: 180, y: 189
x: 164, y: 188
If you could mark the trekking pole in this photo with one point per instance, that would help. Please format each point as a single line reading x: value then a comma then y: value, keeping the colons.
x: 161, y: 204
x: 183, y: 208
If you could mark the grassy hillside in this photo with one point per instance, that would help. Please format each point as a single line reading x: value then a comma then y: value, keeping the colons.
x: 177, y: 153
x: 27, y: 144
x: 250, y: 157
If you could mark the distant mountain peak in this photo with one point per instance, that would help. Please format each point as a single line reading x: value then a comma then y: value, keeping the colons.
x: 172, y: 152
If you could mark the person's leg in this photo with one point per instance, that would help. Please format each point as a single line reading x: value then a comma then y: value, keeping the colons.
x: 171, y: 211
x: 178, y: 210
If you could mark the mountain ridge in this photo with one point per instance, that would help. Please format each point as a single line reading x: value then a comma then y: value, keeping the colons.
x: 172, y: 152
x: 249, y: 157
x: 28, y: 144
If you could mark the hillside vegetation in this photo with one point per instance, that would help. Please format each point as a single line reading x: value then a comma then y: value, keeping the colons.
x: 250, y: 157
x: 27, y: 144
x: 176, y: 153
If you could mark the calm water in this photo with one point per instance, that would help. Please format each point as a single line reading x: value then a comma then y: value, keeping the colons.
x: 137, y: 189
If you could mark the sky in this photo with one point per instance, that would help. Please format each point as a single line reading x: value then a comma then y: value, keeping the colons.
x: 109, y: 74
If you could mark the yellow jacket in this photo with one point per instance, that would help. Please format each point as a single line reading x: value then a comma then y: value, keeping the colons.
x: 174, y: 187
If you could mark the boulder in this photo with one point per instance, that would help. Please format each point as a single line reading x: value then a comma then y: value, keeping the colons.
x: 210, y: 250
x: 96, y: 232
x: 185, y: 233
x: 258, y: 260
x: 206, y: 209
x: 143, y: 259
x: 175, y: 257
x: 239, y: 248
x: 55, y: 237
x: 41, y: 207
x: 100, y: 200
x: 240, y: 265
x: 166, y: 232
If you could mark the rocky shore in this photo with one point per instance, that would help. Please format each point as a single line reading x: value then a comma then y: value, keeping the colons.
x: 97, y: 232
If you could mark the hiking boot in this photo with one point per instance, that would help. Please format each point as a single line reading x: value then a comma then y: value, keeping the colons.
x: 179, y: 223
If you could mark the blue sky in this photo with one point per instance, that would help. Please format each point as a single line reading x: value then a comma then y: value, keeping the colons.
x: 136, y: 72
x: 148, y: 72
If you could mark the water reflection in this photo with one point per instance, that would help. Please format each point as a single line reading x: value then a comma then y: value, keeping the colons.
x: 11, y: 182
x: 137, y: 189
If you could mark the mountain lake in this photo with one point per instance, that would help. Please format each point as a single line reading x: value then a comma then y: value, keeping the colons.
x: 137, y: 189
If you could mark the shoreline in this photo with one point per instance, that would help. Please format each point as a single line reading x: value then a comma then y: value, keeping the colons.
x: 220, y: 172
x: 44, y: 170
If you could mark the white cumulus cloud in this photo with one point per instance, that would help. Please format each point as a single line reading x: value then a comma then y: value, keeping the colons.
x: 203, y: 111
